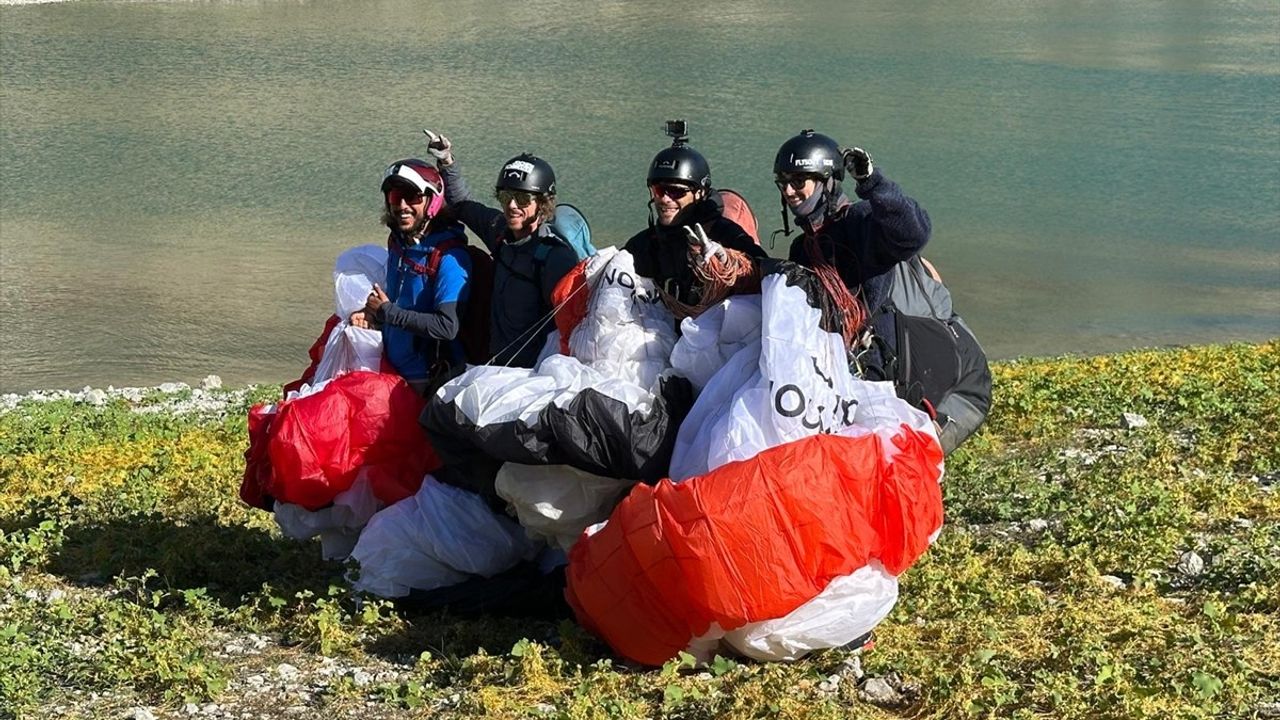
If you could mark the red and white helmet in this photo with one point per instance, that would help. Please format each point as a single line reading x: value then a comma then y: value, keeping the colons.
x: 420, y: 176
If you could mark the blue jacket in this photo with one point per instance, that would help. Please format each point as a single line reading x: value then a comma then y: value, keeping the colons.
x: 424, y: 311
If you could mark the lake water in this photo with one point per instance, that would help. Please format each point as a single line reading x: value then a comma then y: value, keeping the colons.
x: 176, y: 178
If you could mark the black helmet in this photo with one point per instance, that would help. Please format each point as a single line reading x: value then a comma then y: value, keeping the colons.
x: 680, y: 163
x: 809, y: 153
x: 529, y: 173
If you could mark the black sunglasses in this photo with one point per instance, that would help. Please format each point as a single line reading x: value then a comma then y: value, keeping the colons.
x: 797, y: 182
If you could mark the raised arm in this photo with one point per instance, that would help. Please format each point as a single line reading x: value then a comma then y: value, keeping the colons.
x: 895, y: 226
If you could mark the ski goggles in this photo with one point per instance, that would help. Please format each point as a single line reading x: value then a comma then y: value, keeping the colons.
x: 674, y: 192
x: 410, y: 197
x: 523, y: 199
x: 795, y: 182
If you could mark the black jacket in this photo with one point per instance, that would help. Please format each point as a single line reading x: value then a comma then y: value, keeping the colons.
x: 864, y: 241
x: 661, y: 252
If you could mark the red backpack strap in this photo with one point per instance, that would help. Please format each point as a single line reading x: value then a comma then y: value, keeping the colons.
x: 433, y: 258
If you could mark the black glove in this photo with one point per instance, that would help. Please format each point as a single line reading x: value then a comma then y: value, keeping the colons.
x: 857, y: 162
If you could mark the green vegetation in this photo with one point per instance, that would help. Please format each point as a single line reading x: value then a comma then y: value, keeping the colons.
x: 1089, y: 569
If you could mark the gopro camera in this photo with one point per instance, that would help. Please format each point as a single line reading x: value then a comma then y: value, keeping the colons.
x: 678, y: 129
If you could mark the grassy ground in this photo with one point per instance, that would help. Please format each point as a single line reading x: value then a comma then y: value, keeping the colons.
x: 1088, y: 569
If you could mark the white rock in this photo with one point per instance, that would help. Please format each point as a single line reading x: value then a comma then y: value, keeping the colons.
x: 96, y: 398
x: 287, y: 671
x: 1190, y: 564
x: 361, y: 678
x: 139, y: 713
x: 1038, y: 525
x: 191, y: 708
x: 210, y: 709
x: 211, y: 382
x: 1113, y: 581
x: 878, y: 692
x: 171, y: 387
x: 1133, y: 421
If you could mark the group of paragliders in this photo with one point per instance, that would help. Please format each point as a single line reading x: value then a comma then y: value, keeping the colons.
x: 686, y: 443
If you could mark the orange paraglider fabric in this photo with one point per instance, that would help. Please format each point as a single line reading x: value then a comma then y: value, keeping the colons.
x: 753, y: 540
x: 570, y: 300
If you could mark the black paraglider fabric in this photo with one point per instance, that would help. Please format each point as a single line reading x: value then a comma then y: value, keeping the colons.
x: 524, y: 591
x: 592, y: 432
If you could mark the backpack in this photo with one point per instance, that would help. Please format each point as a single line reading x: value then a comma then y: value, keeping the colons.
x: 938, y: 357
x: 473, y: 330
x: 737, y: 210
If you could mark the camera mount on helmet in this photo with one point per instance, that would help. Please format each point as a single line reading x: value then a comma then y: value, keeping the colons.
x: 680, y: 163
x: 678, y: 131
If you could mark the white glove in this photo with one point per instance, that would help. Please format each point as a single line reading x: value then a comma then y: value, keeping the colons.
x: 709, y: 248
x: 439, y: 147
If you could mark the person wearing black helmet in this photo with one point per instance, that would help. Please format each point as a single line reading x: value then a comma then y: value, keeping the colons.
x: 862, y: 241
x: 529, y: 256
x: 683, y: 209
x: 418, y: 311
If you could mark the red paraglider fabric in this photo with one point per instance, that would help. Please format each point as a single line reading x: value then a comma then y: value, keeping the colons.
x: 753, y: 540
x: 359, y: 420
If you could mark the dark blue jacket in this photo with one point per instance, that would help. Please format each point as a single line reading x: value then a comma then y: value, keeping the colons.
x: 523, y: 278
x: 864, y: 241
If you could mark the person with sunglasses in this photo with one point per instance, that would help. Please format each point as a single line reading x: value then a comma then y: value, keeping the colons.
x: 529, y: 256
x: 419, y: 310
x: 862, y: 241
x: 683, y: 209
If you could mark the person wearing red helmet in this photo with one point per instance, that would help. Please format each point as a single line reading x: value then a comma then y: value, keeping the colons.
x: 419, y: 310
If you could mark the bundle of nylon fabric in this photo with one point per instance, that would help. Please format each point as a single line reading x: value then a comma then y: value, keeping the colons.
x: 344, y: 442
x: 798, y: 494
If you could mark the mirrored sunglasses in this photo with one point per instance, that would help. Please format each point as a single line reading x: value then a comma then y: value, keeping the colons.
x: 523, y: 199
x: 410, y: 197
x: 674, y: 192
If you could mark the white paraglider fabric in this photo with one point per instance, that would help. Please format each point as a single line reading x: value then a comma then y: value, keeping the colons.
x: 794, y: 383
x: 848, y: 608
x: 789, y: 382
x: 555, y: 503
x: 338, y: 525
x: 708, y: 341
x: 627, y: 332
x: 441, y: 536
x: 354, y: 273
x: 489, y: 395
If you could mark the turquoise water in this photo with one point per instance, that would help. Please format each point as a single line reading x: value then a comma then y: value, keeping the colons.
x: 176, y: 178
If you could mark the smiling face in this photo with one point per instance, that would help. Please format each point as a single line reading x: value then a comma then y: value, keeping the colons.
x: 406, y: 208
x: 670, y: 198
x: 797, y: 188
x: 520, y: 210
